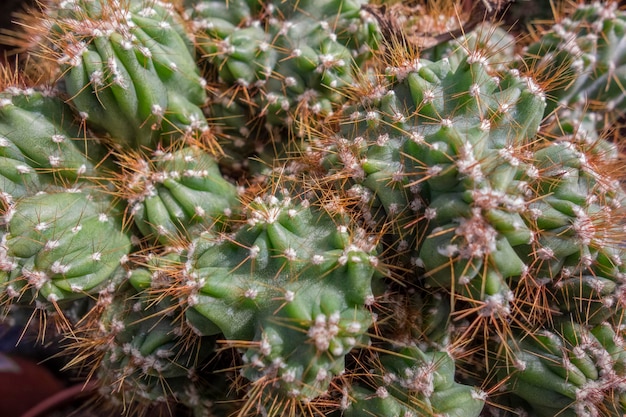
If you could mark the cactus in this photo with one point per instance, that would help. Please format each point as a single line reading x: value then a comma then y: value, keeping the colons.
x: 432, y: 143
x: 493, y: 41
x: 413, y: 383
x: 570, y: 371
x: 582, y: 53
x: 173, y: 192
x: 142, y: 356
x: 304, y: 307
x: 338, y: 222
x: 61, y: 245
x: 40, y: 145
x: 284, y: 62
x: 129, y: 69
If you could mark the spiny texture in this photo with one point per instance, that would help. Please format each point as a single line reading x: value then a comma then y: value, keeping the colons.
x: 287, y: 44
x: 415, y: 237
x: 40, y: 145
x: 412, y: 382
x: 171, y: 193
x: 291, y: 288
x: 129, y: 69
x: 514, y: 225
x: 440, y: 143
x: 60, y: 245
x: 140, y: 351
x: 579, y: 253
x: 493, y: 41
x: 285, y: 61
x: 570, y: 371
x: 584, y: 55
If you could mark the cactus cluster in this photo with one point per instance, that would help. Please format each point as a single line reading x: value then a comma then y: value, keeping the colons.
x: 129, y: 69
x: 294, y: 208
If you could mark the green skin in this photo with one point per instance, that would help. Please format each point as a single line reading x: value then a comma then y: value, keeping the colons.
x: 314, y: 64
x: 423, y: 148
x: 39, y: 144
x: 586, y: 50
x: 570, y: 371
x: 139, y: 84
x: 61, y: 245
x: 495, y: 42
x: 219, y: 19
x: 494, y: 215
x: 189, y: 371
x: 499, y: 205
x: 146, y: 358
x: 412, y: 382
x: 180, y: 193
x: 576, y: 219
x: 304, y: 304
x: 480, y: 207
x: 297, y: 56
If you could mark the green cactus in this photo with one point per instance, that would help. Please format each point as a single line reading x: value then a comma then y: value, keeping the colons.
x: 432, y: 143
x: 383, y: 235
x: 495, y: 42
x: 251, y: 51
x: 128, y: 69
x: 218, y: 19
x: 288, y: 60
x: 580, y: 246
x: 295, y: 282
x: 141, y: 353
x: 570, y: 371
x: 508, y: 221
x: 412, y: 382
x: 40, y: 145
x: 61, y: 245
x: 174, y: 192
x: 582, y: 59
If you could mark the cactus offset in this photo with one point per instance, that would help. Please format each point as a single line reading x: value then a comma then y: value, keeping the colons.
x: 570, y: 371
x: 283, y: 62
x: 583, y: 56
x: 413, y: 383
x: 40, y: 145
x: 292, y: 287
x: 61, y: 245
x: 174, y: 191
x: 128, y: 68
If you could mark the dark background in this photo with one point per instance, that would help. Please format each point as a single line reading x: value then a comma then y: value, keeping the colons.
x: 7, y: 8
